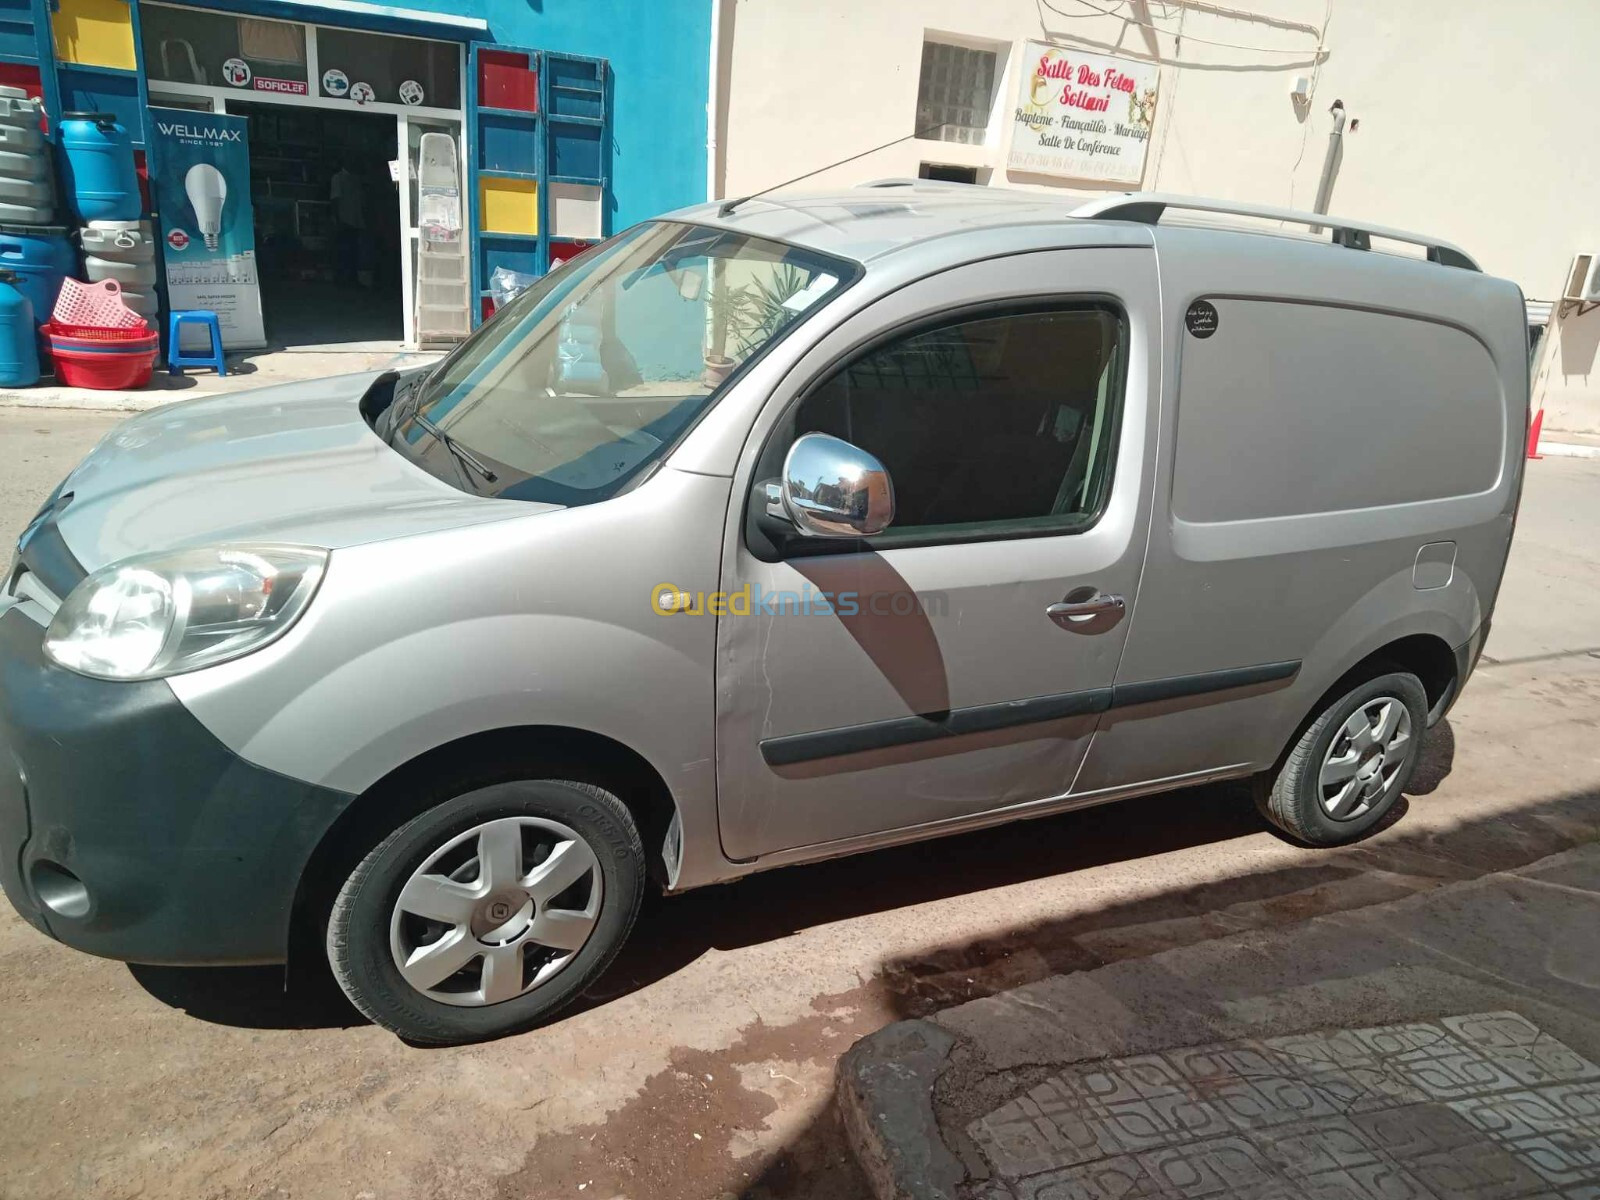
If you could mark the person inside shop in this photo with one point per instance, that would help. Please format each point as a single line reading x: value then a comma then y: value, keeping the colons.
x: 345, y: 191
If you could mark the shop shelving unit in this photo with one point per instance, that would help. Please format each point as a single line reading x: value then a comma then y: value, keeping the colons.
x: 539, y: 138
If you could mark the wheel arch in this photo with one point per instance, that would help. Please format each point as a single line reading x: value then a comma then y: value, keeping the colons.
x: 479, y: 759
x: 1426, y: 655
x: 1430, y: 658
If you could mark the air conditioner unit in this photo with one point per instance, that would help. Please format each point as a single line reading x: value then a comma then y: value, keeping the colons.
x: 1583, y: 281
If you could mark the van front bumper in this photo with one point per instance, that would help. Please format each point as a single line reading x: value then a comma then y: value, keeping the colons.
x: 129, y: 831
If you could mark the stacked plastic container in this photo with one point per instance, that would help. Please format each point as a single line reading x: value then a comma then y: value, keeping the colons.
x: 35, y: 255
x: 102, y: 183
x: 103, y: 191
x: 19, y: 344
x: 124, y: 251
x: 27, y: 182
x: 102, y: 334
x: 42, y: 256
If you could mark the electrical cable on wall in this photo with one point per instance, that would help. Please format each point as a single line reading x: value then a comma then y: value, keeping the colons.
x: 1096, y: 10
x: 1319, y: 57
x: 1172, y: 101
x: 1316, y: 75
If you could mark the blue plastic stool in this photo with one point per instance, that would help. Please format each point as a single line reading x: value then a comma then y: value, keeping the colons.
x: 176, y: 359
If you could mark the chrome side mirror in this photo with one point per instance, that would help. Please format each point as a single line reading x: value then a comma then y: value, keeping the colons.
x: 833, y: 489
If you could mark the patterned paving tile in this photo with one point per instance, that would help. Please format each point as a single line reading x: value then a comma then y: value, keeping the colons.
x: 1364, y: 1089
x: 1479, y: 1171
x: 1447, y: 1071
x: 1517, y: 1046
x: 1388, y: 1041
x: 1581, y: 1101
x: 1079, y: 1122
x: 1482, y: 1106
x: 1019, y: 1140
x: 1315, y: 1147
x: 1513, y: 1116
x: 1219, y: 1167
x: 1345, y: 1070
x: 1383, y: 1180
x: 1416, y: 1131
x: 1108, y: 1179
x: 1562, y: 1158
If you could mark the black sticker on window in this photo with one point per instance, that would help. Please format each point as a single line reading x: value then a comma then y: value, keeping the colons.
x: 1201, y: 318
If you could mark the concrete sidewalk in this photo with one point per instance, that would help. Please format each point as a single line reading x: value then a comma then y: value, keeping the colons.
x: 1438, y: 1046
x: 246, y: 370
x: 1565, y: 444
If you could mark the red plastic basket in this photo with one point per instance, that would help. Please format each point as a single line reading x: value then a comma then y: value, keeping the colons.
x: 97, y: 333
x: 102, y: 369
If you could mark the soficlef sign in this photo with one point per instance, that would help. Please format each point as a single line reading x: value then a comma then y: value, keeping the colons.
x: 1083, y: 116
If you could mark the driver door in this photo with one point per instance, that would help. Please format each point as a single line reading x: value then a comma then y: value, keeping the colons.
x: 916, y: 677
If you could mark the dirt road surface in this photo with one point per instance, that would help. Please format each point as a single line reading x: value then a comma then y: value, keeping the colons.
x: 702, y: 1065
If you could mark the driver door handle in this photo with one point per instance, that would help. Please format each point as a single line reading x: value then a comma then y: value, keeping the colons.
x: 1081, y: 607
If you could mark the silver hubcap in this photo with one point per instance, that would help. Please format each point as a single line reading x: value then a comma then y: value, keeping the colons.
x: 496, y: 911
x: 1365, y: 757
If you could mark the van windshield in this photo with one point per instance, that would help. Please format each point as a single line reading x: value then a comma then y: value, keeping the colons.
x: 583, y: 381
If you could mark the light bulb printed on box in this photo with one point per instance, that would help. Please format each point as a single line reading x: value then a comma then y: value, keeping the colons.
x: 202, y: 195
x: 208, y: 196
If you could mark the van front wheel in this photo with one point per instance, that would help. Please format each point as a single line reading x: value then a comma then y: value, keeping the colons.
x: 1349, y: 767
x: 489, y: 912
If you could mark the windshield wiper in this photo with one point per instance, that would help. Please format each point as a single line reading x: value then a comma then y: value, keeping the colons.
x: 462, y: 454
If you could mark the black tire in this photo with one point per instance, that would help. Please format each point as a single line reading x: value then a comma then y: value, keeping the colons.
x: 359, y: 926
x: 1293, y: 797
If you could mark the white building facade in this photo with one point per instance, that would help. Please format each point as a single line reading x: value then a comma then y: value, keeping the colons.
x: 1467, y: 120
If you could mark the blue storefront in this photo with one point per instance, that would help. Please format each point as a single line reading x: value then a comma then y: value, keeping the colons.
x: 554, y: 123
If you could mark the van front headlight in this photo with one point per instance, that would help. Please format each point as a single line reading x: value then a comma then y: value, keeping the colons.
x: 162, y: 614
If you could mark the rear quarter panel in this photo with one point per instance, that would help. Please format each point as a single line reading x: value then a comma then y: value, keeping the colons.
x: 1264, y: 562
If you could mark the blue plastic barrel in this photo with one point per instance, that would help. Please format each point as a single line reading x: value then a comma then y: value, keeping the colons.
x: 102, y: 184
x: 41, y: 257
x: 19, y: 346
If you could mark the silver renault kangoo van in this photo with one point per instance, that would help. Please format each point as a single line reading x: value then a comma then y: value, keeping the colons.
x: 759, y: 534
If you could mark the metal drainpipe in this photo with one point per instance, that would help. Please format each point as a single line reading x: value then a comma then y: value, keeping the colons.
x: 1330, y: 164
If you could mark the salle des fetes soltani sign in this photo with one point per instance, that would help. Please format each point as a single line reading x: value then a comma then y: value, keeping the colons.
x: 1085, y: 116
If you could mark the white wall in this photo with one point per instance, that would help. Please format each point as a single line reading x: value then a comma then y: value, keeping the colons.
x: 1476, y: 118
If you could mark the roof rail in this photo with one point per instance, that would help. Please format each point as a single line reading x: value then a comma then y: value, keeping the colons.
x: 1148, y: 207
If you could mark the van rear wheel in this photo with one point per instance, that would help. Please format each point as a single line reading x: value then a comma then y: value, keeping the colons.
x: 1348, y: 768
x: 489, y: 912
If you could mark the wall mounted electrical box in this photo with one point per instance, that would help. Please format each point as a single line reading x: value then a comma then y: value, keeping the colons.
x: 1583, y: 281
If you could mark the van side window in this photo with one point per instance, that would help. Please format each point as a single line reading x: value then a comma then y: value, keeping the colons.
x: 1002, y: 424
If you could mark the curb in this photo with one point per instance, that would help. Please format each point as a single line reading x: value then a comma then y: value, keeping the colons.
x: 1566, y: 450
x: 885, y: 1094
x: 109, y: 402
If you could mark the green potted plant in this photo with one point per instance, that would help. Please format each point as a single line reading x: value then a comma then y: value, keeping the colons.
x: 729, y: 311
x: 744, y: 316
